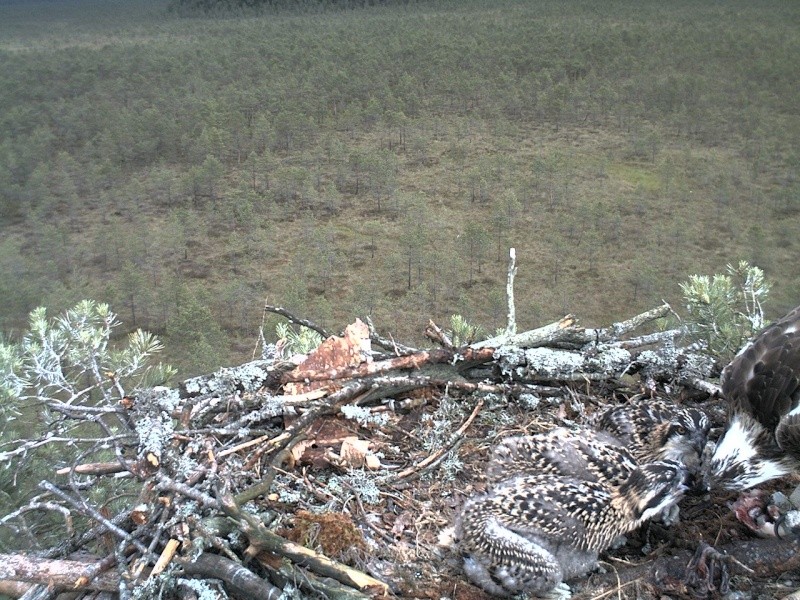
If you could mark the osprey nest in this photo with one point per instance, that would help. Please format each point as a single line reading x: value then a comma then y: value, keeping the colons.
x: 342, y: 473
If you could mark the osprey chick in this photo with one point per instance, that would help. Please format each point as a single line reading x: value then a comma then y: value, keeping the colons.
x: 657, y: 430
x: 532, y: 532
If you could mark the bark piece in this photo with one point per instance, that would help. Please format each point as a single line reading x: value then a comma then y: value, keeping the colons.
x: 335, y: 353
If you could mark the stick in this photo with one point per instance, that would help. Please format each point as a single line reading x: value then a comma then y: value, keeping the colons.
x: 243, y: 582
x: 411, y: 361
x: 83, y: 507
x: 457, y: 435
x: 166, y: 556
x: 262, y: 539
x: 435, y: 333
x: 104, y: 468
x: 511, y: 327
x: 396, y: 347
x: 529, y: 339
x: 62, y: 573
x: 297, y: 320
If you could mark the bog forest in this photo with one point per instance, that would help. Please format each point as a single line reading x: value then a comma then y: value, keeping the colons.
x: 187, y: 164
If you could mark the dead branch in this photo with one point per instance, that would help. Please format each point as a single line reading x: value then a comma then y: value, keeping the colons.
x: 104, y: 468
x: 393, y: 346
x: 436, y: 334
x: 89, y: 511
x: 278, y: 310
x: 62, y: 573
x: 14, y: 589
x: 238, y: 579
x: 529, y: 339
x: 325, y: 587
x: 261, y: 539
x: 411, y: 361
x: 511, y: 322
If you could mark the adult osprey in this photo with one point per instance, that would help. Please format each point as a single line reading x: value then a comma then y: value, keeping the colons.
x: 762, y: 383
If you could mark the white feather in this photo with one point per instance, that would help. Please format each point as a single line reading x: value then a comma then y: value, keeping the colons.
x: 737, y: 449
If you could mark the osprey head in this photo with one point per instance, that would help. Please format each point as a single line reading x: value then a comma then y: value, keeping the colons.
x: 746, y: 456
x: 655, y: 487
x: 683, y: 437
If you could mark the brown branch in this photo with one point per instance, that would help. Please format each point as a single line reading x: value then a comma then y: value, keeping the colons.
x: 239, y: 579
x: 261, y: 539
x: 102, y: 468
x: 411, y: 361
x: 14, y: 589
x: 296, y: 320
x: 62, y: 573
x: 436, y: 334
x: 166, y: 557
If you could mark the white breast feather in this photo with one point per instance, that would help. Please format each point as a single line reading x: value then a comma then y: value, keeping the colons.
x: 737, y: 448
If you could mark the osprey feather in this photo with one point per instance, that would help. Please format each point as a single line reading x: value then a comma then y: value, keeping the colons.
x: 762, y: 384
x: 556, y: 501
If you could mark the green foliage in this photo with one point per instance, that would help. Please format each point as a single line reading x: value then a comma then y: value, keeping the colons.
x: 300, y: 341
x: 725, y: 310
x: 194, y: 333
x: 463, y: 332
x: 61, y: 385
x: 11, y: 366
x: 71, y: 359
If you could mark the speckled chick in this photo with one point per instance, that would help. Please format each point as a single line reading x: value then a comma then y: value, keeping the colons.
x: 532, y: 532
x: 654, y: 429
x: 581, y: 453
x: 762, y: 383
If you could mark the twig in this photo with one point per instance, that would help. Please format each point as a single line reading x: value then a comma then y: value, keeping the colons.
x: 397, y: 348
x: 104, y: 468
x: 263, y: 539
x: 166, y: 556
x: 435, y: 333
x: 323, y: 587
x: 84, y: 508
x: 328, y: 406
x: 623, y: 327
x: 243, y: 446
x: 433, y: 458
x: 186, y: 490
x: 296, y: 320
x: 410, y: 382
